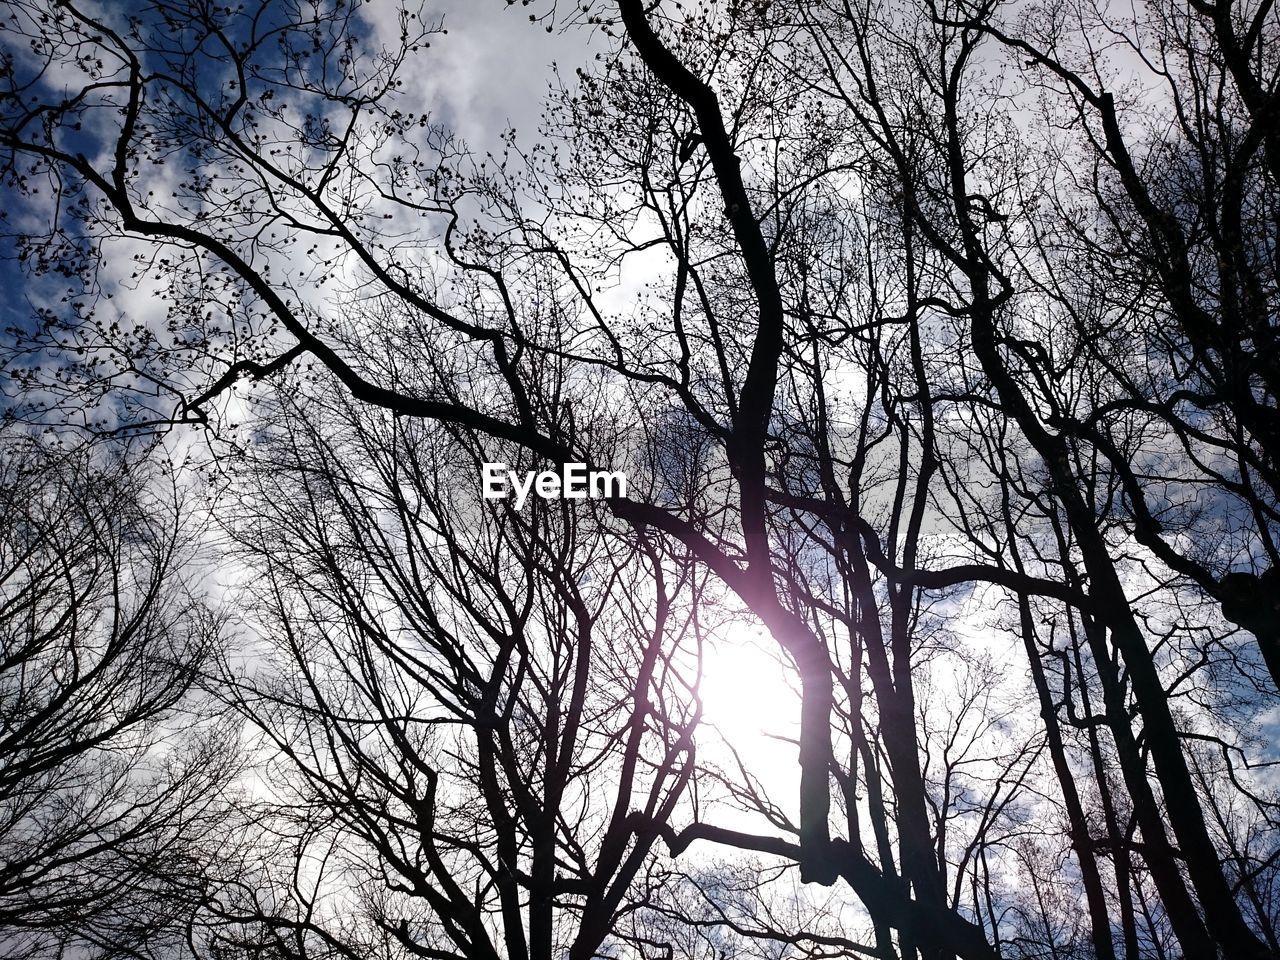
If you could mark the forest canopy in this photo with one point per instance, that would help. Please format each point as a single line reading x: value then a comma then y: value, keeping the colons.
x: 938, y: 346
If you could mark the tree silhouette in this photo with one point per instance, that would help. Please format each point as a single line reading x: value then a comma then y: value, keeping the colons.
x: 938, y: 340
x: 477, y: 718
x: 103, y: 803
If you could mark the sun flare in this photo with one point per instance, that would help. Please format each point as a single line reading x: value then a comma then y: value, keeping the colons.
x: 747, y: 686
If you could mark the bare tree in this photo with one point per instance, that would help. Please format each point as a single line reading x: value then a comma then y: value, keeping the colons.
x: 107, y: 779
x: 916, y: 367
x: 474, y: 720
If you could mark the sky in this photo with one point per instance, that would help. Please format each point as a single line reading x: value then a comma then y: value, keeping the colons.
x: 491, y: 70
x: 488, y: 74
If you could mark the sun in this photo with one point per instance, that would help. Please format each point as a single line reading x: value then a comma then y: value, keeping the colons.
x: 749, y: 696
